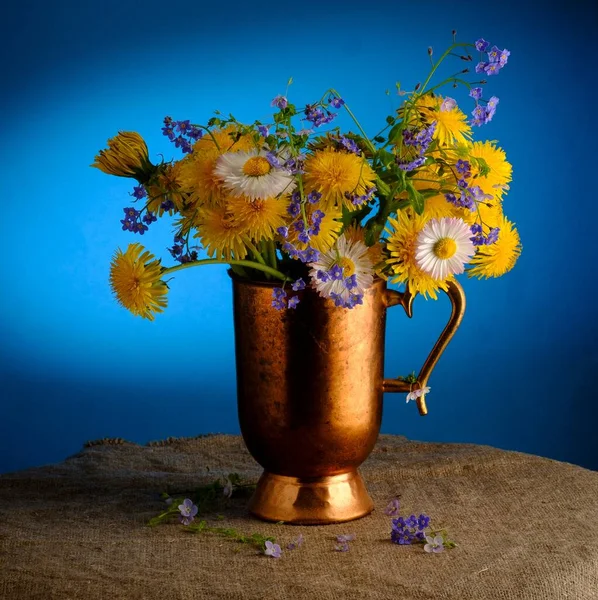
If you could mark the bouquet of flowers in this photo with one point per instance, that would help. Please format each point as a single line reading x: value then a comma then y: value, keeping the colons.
x: 297, y: 201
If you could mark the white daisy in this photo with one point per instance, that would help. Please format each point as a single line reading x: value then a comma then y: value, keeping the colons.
x: 415, y: 394
x: 343, y: 273
x: 252, y: 175
x: 443, y: 247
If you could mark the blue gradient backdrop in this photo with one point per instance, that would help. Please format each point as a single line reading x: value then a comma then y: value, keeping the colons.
x: 75, y: 366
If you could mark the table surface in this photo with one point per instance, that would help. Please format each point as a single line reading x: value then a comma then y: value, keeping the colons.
x: 526, y: 528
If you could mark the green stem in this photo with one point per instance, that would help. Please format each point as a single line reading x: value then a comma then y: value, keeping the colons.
x: 210, y: 134
x: 272, y: 253
x: 215, y: 261
x: 437, y: 64
x: 451, y: 78
x: 254, y: 250
x: 363, y: 133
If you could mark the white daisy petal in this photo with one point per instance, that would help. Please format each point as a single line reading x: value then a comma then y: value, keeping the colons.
x: 350, y: 256
x: 443, y: 247
x: 250, y: 174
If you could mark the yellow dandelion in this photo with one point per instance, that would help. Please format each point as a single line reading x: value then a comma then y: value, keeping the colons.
x: 259, y: 218
x: 165, y: 185
x: 198, y: 178
x: 126, y: 156
x: 224, y: 140
x: 219, y: 235
x: 496, y: 181
x: 330, y: 228
x: 188, y: 220
x: 402, y: 245
x: 355, y: 233
x: 197, y: 173
x: 334, y: 174
x: 437, y: 207
x: 498, y: 258
x: 489, y: 214
x: 451, y: 125
x: 135, y: 280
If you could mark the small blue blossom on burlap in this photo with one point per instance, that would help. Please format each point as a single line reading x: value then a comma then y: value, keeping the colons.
x: 410, y: 530
x: 435, y: 544
x: 188, y: 511
x: 343, y: 542
x: 393, y: 508
x: 296, y: 543
x: 272, y: 549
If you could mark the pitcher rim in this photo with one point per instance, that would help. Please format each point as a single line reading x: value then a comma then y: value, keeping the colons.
x: 272, y: 284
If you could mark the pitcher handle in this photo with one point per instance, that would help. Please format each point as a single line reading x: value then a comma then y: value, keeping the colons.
x: 405, y: 299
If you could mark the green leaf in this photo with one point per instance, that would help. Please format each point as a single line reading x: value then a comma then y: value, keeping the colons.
x: 372, y: 233
x: 382, y: 187
x: 417, y: 200
x: 395, y: 133
x: 385, y: 157
x: 389, y: 176
x: 390, y: 120
x: 483, y: 166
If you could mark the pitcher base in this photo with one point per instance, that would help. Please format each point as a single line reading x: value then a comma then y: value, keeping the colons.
x: 311, y: 501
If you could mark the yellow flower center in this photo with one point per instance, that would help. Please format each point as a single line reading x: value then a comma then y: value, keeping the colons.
x: 347, y: 265
x: 256, y: 166
x: 445, y: 248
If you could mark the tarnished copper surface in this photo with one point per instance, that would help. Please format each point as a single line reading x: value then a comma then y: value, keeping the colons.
x: 309, y: 386
x: 311, y: 501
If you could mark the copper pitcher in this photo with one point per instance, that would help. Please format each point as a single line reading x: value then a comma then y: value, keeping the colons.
x: 309, y: 385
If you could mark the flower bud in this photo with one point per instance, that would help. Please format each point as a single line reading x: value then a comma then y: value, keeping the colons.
x: 126, y: 156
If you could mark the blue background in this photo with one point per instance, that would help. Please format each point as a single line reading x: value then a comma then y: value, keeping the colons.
x: 75, y: 366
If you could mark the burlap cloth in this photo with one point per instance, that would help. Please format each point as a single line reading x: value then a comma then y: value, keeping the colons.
x: 527, y: 527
